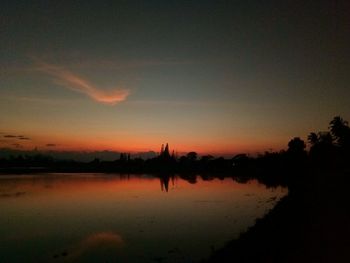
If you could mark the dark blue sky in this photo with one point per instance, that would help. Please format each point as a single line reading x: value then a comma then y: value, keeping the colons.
x: 220, y: 76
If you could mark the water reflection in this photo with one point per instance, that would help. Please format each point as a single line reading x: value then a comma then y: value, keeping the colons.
x: 164, y: 182
x: 124, y: 218
x: 95, y: 246
x: 16, y: 194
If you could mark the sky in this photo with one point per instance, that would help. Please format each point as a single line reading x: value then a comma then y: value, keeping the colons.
x: 216, y: 77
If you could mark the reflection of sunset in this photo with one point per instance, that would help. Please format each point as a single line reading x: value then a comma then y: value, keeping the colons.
x: 116, y: 185
x: 121, y: 215
x: 133, y: 193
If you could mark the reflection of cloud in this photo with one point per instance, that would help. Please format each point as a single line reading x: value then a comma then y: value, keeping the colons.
x: 76, y: 83
x: 103, y: 242
x: 17, y: 194
x: 102, y: 239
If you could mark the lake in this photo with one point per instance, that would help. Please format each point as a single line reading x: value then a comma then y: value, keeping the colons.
x: 125, y: 218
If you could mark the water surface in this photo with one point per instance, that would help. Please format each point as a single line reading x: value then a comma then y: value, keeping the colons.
x: 124, y: 218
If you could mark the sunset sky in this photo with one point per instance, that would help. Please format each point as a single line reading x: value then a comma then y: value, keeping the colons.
x: 215, y: 77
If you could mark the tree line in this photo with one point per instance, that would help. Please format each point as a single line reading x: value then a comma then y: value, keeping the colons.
x: 327, y: 149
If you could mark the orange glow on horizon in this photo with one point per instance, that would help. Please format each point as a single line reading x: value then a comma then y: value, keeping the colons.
x: 88, y: 141
x: 129, y: 144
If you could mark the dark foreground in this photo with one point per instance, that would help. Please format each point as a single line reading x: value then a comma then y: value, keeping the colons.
x: 311, y: 224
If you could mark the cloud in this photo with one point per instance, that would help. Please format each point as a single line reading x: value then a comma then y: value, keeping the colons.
x: 23, y: 138
x: 36, y: 100
x: 50, y: 145
x: 78, y: 84
x: 19, y: 137
x: 10, y: 136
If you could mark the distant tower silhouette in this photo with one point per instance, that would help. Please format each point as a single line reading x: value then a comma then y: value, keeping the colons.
x: 161, y: 150
x: 166, y: 153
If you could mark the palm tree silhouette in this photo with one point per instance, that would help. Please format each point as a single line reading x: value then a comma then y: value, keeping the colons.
x: 340, y: 131
x: 312, y: 138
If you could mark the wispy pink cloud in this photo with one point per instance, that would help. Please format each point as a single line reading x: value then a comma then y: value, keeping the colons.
x: 78, y: 84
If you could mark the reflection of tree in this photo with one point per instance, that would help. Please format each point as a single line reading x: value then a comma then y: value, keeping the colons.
x: 241, y: 179
x: 191, y: 178
x: 98, y: 243
x: 164, y: 183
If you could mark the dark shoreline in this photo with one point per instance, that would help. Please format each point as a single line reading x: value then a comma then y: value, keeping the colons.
x: 311, y: 224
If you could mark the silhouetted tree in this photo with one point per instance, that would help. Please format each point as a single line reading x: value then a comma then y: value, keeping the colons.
x: 320, y: 139
x: 312, y: 138
x: 340, y: 130
x: 122, y: 157
x: 192, y: 156
x: 296, y: 146
x: 206, y: 158
x: 240, y: 161
x: 325, y: 138
x: 322, y: 148
x: 296, y: 152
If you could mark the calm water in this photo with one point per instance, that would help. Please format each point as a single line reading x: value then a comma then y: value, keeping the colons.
x: 114, y: 218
